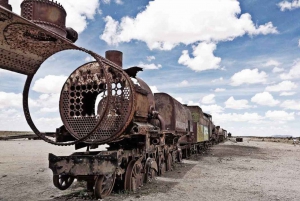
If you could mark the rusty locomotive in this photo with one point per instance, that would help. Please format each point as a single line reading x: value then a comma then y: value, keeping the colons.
x: 101, y: 103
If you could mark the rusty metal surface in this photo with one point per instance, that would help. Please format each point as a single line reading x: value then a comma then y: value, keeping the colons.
x: 176, y: 116
x: 47, y: 14
x: 5, y: 4
x: 24, y: 46
x: 115, y: 56
x: 78, y: 98
x: 82, y: 165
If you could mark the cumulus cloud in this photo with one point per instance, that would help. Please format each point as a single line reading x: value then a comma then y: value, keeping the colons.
x: 235, y: 117
x: 280, y: 115
x: 154, y: 89
x: 219, y: 90
x: 282, y: 86
x: 288, y: 5
x: 203, y: 59
x: 179, y: 99
x: 265, y: 98
x: 78, y: 12
x: 291, y: 105
x: 277, y: 70
x: 89, y: 59
x: 206, y: 20
x: 149, y: 66
x: 248, y: 76
x: 50, y: 84
x: 150, y: 58
x: 209, y: 99
x: 212, y: 109
x: 184, y: 83
x: 294, y: 72
x: 116, y: 1
x: 287, y: 93
x: 10, y: 100
x: 272, y: 63
x: 218, y: 80
x: 236, y: 104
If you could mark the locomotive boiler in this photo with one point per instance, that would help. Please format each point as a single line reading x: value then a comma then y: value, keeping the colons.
x: 101, y: 103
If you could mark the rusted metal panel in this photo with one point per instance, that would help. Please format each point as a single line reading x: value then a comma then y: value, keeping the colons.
x: 84, y: 165
x: 47, y: 14
x: 5, y: 4
x: 78, y: 98
x: 24, y: 46
x: 115, y: 56
x: 175, y: 114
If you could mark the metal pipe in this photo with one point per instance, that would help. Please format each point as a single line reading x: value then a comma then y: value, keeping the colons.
x: 162, y: 122
x: 115, y: 56
x: 5, y: 4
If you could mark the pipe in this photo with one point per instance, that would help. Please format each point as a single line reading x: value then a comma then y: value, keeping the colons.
x: 5, y: 4
x: 162, y: 122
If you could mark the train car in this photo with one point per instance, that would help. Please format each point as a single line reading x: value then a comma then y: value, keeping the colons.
x: 201, y: 126
x: 100, y: 103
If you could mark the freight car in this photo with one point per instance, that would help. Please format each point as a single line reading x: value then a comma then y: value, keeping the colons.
x: 101, y: 103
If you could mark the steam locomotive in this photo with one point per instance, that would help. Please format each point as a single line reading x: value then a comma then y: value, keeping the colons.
x: 101, y: 103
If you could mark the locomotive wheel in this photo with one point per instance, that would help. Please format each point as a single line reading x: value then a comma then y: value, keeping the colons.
x: 62, y: 182
x: 104, y: 185
x: 149, y: 173
x: 179, y: 156
x: 161, y: 165
x: 169, y: 162
x: 134, y: 176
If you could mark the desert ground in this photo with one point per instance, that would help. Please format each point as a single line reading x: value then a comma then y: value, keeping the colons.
x: 250, y: 170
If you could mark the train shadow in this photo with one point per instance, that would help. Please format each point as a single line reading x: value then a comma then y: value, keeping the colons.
x: 161, y: 184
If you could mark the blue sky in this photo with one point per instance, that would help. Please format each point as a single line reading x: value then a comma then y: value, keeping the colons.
x: 238, y: 60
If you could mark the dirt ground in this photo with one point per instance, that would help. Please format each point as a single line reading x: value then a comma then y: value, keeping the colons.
x: 251, y: 170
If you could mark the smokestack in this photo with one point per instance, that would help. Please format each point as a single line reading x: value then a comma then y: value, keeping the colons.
x: 115, y: 56
x: 5, y: 4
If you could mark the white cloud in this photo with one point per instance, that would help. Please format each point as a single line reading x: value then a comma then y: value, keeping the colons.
x: 287, y: 93
x: 179, y: 99
x: 150, y: 58
x: 286, y: 5
x: 236, y: 104
x: 235, y: 117
x: 212, y: 109
x: 264, y: 98
x: 291, y: 105
x: 50, y: 84
x: 277, y: 70
x: 299, y: 43
x: 209, y: 99
x: 280, y: 115
x: 10, y: 100
x: 149, y: 66
x: 248, y: 76
x: 294, y: 72
x: 203, y: 59
x: 272, y: 63
x: 219, y: 90
x: 218, y: 80
x: 184, y: 83
x: 282, y: 86
x: 120, y: 2
x: 78, y: 12
x: 89, y: 59
x: 154, y: 89
x: 206, y: 20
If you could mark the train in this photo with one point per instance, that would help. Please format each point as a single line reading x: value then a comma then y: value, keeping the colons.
x: 101, y: 103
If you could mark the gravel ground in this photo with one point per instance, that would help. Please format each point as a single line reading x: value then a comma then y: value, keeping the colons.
x: 250, y: 170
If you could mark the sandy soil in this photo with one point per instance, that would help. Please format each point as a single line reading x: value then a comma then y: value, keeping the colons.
x: 250, y: 170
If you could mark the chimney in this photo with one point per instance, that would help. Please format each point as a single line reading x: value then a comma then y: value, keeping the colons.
x: 5, y: 4
x: 115, y: 56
